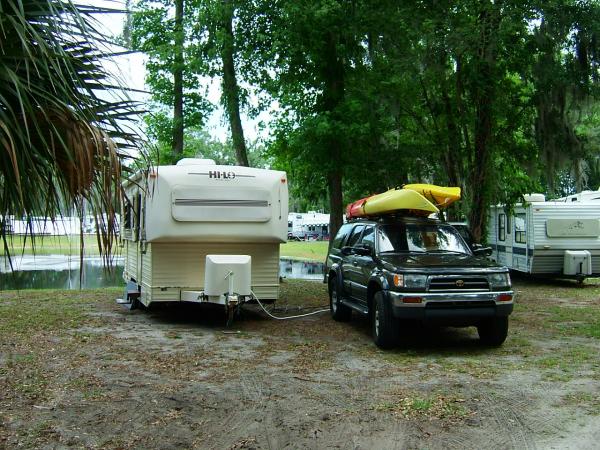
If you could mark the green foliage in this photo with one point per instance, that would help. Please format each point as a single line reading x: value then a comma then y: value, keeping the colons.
x: 63, y: 123
x: 153, y: 33
x: 200, y: 144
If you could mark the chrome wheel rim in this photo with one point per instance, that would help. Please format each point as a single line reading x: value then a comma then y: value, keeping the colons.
x: 333, y: 299
x: 376, y: 319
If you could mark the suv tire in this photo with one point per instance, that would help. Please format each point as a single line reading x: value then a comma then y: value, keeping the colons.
x: 339, y: 312
x: 493, y: 332
x: 384, y: 329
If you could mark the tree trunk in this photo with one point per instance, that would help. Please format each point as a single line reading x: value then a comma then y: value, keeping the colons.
x: 484, y: 96
x: 127, y: 25
x: 231, y: 91
x: 479, y: 171
x: 177, y: 146
x: 333, y: 95
x: 453, y: 154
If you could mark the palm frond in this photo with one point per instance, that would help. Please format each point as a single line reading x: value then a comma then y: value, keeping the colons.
x: 62, y: 137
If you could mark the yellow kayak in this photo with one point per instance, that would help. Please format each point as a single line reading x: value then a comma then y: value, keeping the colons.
x: 438, y: 195
x: 396, y: 199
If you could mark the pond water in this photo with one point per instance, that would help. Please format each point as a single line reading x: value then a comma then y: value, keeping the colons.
x: 62, y: 272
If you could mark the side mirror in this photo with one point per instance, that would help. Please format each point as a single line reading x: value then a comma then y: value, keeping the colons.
x: 479, y: 250
x: 363, y: 250
x: 347, y: 250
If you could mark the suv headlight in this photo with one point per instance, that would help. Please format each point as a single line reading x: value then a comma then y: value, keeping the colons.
x: 499, y: 280
x: 411, y: 281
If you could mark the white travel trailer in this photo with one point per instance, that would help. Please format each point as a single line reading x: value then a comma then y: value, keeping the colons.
x: 558, y: 238
x: 187, y: 228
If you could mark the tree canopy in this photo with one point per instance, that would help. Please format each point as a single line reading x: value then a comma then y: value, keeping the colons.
x: 497, y: 97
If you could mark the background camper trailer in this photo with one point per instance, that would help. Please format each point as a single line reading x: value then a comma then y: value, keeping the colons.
x: 558, y: 238
x: 201, y: 232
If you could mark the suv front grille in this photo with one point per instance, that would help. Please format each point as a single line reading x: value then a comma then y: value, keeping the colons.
x: 456, y: 283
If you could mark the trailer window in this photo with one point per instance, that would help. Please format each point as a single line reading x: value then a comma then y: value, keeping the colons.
x: 520, y: 230
x: 137, y: 219
x: 128, y: 225
x: 501, y: 227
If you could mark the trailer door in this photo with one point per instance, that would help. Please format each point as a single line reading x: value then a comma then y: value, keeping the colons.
x: 519, y: 248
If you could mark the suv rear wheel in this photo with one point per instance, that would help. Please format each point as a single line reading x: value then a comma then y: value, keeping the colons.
x: 339, y: 312
x: 493, y: 332
x: 384, y: 330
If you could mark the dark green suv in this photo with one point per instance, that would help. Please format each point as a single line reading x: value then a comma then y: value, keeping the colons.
x: 408, y: 268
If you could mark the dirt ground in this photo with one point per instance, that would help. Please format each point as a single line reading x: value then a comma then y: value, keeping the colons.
x: 79, y: 371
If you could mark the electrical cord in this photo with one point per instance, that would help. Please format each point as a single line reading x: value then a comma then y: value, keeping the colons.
x: 288, y: 317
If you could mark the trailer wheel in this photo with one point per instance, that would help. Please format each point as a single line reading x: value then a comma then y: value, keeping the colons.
x: 339, y: 312
x: 493, y: 332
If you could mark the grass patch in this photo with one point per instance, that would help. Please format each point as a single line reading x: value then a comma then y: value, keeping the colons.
x: 302, y: 293
x: 435, y: 406
x: 477, y: 368
x: 565, y: 364
x: 587, y: 401
x: 578, y: 321
x: 314, y: 251
x: 310, y: 357
x: 52, y: 245
x: 32, y: 311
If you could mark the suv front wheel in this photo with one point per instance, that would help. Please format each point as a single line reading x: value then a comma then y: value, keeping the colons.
x: 339, y: 312
x: 384, y: 329
x: 493, y: 332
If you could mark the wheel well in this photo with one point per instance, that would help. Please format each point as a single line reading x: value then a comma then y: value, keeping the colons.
x: 332, y: 275
x: 371, y: 289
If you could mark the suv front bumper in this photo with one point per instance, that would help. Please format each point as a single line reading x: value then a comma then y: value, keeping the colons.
x: 468, y: 307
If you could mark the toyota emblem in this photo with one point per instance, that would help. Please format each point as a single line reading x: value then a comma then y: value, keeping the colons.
x: 460, y: 283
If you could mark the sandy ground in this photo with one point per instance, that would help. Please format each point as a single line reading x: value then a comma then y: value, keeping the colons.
x: 176, y: 378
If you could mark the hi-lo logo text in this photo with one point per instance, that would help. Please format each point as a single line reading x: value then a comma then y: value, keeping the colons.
x: 221, y: 175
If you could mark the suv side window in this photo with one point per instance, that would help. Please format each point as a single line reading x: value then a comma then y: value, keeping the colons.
x: 341, y: 235
x: 385, y: 245
x: 368, y: 237
x: 355, y: 235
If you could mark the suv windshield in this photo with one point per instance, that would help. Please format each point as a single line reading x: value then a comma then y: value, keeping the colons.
x: 420, y: 238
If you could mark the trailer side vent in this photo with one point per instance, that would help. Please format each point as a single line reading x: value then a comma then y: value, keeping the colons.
x: 575, y: 227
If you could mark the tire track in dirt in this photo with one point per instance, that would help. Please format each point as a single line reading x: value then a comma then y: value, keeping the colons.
x: 511, y: 426
x: 252, y: 389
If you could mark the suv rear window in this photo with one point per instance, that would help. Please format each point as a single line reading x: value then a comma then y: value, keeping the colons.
x: 341, y: 235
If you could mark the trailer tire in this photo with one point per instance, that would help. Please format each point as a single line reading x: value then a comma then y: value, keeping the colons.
x: 493, y: 332
x: 339, y: 312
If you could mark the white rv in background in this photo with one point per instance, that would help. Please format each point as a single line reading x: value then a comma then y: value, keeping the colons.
x: 558, y: 238
x: 308, y: 226
x: 179, y: 220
